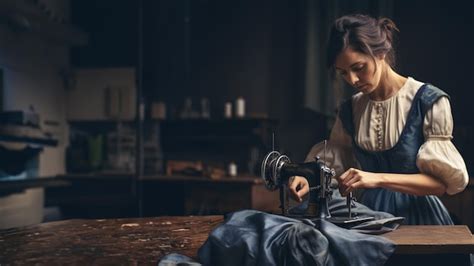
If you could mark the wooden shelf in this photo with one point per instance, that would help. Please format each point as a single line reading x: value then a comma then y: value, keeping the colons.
x: 8, y: 186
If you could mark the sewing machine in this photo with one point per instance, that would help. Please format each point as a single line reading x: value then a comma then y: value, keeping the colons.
x: 276, y: 171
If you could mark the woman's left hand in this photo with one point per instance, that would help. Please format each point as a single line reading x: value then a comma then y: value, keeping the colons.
x: 355, y: 178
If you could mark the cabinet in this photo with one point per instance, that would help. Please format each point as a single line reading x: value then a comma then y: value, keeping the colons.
x: 215, y: 142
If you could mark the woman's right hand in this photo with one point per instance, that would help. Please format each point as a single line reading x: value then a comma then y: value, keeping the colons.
x: 298, y: 187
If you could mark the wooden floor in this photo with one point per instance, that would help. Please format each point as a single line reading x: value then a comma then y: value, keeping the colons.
x: 146, y: 240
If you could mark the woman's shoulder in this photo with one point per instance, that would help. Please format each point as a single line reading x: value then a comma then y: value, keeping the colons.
x: 410, y: 88
x: 413, y: 86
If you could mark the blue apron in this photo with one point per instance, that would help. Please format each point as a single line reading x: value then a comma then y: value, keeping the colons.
x: 401, y: 158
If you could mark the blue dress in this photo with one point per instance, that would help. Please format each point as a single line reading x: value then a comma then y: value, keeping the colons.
x: 401, y: 158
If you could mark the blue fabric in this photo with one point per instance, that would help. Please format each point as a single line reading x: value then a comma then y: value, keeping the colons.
x: 252, y: 237
x: 401, y: 158
x: 256, y: 238
x: 176, y: 259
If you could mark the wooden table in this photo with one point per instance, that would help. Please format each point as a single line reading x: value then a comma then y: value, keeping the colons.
x: 431, y: 245
x: 146, y: 240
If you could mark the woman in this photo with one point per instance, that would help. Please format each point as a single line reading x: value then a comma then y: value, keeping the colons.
x: 392, y: 140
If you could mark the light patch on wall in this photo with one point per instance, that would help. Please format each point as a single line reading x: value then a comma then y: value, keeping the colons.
x: 101, y: 94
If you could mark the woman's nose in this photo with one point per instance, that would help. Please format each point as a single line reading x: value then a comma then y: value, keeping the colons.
x: 353, y: 79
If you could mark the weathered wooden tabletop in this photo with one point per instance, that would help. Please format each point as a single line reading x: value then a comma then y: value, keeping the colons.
x: 432, y: 239
x: 112, y: 241
x: 146, y: 240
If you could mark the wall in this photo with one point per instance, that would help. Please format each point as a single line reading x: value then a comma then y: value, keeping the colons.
x: 225, y: 49
x: 256, y: 49
x: 435, y: 46
x: 102, y: 93
x: 208, y: 48
x: 32, y: 67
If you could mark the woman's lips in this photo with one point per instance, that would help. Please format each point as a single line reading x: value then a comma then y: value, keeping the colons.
x: 362, y: 87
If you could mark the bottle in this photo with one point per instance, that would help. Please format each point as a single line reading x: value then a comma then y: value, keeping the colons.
x: 232, y: 169
x: 240, y: 107
x: 228, y: 110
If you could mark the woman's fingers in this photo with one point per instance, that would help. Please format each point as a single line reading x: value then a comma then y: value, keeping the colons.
x: 298, y: 187
x: 292, y: 187
x: 351, y: 188
x: 304, y: 189
x: 351, y: 179
x: 347, y: 179
x: 354, y: 178
x: 345, y: 175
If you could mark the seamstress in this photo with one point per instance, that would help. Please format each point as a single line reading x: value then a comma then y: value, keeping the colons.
x: 391, y: 142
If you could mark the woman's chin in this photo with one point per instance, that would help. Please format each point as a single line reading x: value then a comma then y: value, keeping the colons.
x: 367, y: 89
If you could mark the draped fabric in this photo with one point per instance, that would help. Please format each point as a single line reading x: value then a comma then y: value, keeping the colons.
x: 252, y: 237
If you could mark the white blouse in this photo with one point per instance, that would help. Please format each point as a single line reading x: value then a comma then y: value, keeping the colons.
x: 378, y: 125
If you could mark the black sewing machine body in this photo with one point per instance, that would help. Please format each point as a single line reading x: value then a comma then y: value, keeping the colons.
x: 277, y: 169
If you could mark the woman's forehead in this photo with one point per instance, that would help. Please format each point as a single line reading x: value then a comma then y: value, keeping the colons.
x: 348, y: 57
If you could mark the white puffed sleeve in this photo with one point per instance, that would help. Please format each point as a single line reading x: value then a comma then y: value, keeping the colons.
x: 339, y: 154
x: 438, y: 156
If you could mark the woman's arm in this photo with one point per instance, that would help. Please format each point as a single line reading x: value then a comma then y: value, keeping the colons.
x: 414, y: 184
x: 438, y: 156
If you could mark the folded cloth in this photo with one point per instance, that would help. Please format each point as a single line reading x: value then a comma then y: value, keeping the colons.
x: 252, y: 237
x: 381, y: 222
x: 379, y: 226
x: 175, y: 259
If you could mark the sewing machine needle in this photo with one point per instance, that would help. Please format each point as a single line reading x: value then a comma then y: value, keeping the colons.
x: 325, y: 143
x: 349, y: 204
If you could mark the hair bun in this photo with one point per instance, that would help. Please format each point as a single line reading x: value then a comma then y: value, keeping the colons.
x: 362, y: 33
x: 388, y: 25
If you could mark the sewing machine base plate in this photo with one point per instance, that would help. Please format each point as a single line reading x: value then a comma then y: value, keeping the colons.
x: 350, y: 221
x: 340, y: 221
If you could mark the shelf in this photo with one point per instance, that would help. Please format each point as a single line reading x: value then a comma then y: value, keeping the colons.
x: 29, y: 140
x: 8, y: 186
x: 25, y: 134
x: 159, y: 178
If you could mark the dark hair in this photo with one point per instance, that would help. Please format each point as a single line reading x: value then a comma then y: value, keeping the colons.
x: 365, y: 34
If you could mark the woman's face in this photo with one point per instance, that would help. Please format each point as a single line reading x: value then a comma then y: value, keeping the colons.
x: 359, y: 70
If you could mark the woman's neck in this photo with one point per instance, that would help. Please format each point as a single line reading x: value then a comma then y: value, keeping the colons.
x: 390, y: 83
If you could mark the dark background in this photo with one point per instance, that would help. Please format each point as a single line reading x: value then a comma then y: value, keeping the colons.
x: 178, y: 49
x: 225, y: 49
